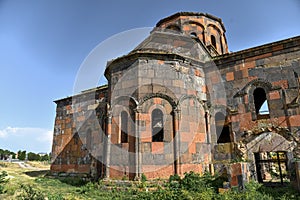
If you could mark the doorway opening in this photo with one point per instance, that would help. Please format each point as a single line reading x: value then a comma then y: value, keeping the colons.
x: 272, y: 168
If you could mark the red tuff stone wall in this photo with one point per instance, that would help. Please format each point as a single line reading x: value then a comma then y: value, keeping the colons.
x: 273, y: 67
x: 78, y: 134
x: 201, y: 26
x: 168, y: 74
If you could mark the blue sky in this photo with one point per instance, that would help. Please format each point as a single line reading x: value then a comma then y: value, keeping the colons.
x: 44, y: 42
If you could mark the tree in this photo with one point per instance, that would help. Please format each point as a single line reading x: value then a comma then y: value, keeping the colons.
x: 4, y: 154
x: 33, y: 156
x: 45, y: 157
x: 21, y: 155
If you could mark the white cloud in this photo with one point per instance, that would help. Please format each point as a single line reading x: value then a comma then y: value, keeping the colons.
x: 46, y: 136
x: 2, y: 134
x: 26, y: 138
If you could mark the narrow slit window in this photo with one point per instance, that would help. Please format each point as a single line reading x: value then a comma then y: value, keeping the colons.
x: 124, y: 127
x: 157, y: 126
x: 213, y: 41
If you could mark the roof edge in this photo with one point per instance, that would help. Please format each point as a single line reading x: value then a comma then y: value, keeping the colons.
x: 83, y: 92
x: 258, y: 50
x: 178, y: 14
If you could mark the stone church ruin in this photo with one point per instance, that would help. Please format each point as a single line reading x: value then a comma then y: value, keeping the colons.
x: 180, y: 102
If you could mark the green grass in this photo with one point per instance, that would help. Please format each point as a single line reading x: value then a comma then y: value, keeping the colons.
x: 34, y: 185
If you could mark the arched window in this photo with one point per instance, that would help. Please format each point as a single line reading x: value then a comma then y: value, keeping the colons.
x: 174, y: 28
x: 213, y: 41
x: 222, y: 129
x: 260, y: 102
x: 193, y: 35
x: 157, y: 125
x: 124, y: 127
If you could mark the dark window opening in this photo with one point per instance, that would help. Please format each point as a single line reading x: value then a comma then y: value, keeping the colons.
x: 174, y: 28
x: 157, y: 126
x: 193, y: 34
x: 124, y: 127
x: 206, y: 127
x: 224, y: 134
x: 213, y: 41
x: 260, y: 102
x: 222, y: 129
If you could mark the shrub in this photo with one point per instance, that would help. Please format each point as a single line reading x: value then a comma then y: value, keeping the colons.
x: 74, y: 181
x: 55, y: 197
x: 29, y: 193
x: 3, y: 181
x: 86, y: 188
x: 281, y: 193
x: 174, y: 182
x: 143, y: 178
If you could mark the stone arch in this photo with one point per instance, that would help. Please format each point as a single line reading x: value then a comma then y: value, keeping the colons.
x: 119, y: 105
x: 258, y: 90
x: 219, y: 108
x: 219, y: 32
x: 184, y: 97
x: 146, y: 111
x: 270, y: 141
x: 159, y: 95
x: 197, y: 24
x: 250, y: 86
x: 258, y: 149
x: 194, y: 22
x: 265, y: 84
x: 129, y: 99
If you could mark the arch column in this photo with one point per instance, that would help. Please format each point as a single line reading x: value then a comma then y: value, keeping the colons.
x: 108, y: 145
x: 176, y: 136
x: 137, y: 144
x: 208, y: 140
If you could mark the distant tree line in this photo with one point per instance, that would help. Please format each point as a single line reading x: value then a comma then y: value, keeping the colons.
x: 38, y: 157
x: 33, y: 156
x: 22, y: 155
x: 4, y: 154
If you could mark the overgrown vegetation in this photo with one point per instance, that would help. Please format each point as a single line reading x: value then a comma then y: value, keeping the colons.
x: 3, y: 181
x: 29, y: 193
x: 34, y: 185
